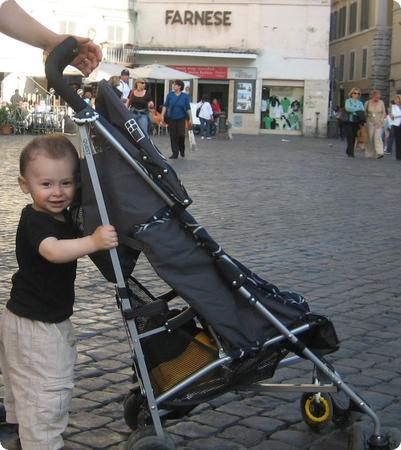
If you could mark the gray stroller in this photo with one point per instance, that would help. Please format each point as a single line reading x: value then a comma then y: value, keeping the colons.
x: 235, y: 328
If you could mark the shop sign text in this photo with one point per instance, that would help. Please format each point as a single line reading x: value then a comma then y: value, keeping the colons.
x: 188, y: 17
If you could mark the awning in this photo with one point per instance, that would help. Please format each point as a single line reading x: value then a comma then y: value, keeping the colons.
x: 197, y: 53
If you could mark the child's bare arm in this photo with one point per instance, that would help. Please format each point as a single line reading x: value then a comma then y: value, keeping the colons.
x: 60, y: 251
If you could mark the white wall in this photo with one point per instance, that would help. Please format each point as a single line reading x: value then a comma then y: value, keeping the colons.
x: 18, y: 59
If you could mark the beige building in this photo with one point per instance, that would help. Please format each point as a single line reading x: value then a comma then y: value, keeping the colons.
x: 265, y: 61
x: 360, y: 47
x: 395, y: 70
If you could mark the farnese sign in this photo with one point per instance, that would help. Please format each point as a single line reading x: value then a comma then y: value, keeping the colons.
x: 188, y: 17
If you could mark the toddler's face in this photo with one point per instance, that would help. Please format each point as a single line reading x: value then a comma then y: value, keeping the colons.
x: 51, y: 184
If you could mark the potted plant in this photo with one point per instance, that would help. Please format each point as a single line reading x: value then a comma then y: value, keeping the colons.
x: 5, y: 120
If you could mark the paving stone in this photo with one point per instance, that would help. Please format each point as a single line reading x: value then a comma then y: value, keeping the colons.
x: 192, y: 430
x: 265, y: 424
x: 215, y: 419
x: 239, y: 409
x: 97, y: 438
x: 243, y: 435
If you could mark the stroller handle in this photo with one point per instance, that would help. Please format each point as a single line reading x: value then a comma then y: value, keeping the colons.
x: 56, y: 62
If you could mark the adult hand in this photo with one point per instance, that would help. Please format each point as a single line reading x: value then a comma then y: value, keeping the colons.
x: 89, y: 56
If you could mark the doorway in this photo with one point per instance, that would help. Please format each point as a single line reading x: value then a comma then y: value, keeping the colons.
x: 214, y: 89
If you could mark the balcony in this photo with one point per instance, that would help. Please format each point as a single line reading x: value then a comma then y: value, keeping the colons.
x: 118, y: 53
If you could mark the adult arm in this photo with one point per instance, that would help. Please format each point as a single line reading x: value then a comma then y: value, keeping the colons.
x: 18, y: 24
x: 60, y: 251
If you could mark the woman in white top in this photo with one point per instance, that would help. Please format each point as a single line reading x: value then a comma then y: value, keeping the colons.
x: 205, y: 116
x: 396, y: 117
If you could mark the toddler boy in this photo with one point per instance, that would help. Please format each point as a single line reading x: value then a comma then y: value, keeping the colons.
x: 37, y: 343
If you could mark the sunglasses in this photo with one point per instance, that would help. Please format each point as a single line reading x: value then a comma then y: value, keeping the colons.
x: 357, y: 93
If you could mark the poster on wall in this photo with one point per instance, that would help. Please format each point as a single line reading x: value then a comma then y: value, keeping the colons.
x: 244, y: 96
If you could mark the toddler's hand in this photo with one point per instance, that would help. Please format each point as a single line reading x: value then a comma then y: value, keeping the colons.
x: 105, y: 237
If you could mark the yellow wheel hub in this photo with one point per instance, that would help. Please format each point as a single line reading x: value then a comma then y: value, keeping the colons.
x: 309, y: 410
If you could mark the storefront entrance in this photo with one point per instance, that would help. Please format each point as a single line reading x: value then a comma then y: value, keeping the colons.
x: 214, y: 89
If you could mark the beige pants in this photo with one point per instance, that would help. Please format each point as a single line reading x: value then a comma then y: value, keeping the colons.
x: 37, y: 361
x: 374, y: 143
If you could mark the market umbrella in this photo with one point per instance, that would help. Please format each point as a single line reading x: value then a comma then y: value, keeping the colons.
x: 160, y: 72
x: 104, y: 70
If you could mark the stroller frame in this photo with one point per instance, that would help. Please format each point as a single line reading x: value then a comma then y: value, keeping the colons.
x: 331, y: 380
x: 285, y: 333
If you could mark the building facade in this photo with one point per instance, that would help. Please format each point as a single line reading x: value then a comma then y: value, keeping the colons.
x: 395, y: 69
x: 265, y: 61
x: 360, y: 47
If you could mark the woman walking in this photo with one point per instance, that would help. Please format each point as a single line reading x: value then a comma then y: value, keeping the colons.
x: 139, y: 103
x: 376, y: 113
x: 177, y: 110
x: 353, y: 105
x: 396, y: 117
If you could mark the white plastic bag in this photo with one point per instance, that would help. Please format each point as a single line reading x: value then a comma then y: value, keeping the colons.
x: 192, y: 141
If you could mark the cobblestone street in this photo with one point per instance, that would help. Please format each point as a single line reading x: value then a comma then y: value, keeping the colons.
x: 301, y: 215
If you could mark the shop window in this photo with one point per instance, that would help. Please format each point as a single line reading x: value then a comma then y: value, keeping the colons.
x: 67, y: 27
x: 364, y: 15
x: 281, y: 108
x: 352, y: 18
x: 341, y: 68
x: 115, y: 34
x: 364, y: 69
x: 351, y: 66
x: 333, y: 26
x: 342, y: 20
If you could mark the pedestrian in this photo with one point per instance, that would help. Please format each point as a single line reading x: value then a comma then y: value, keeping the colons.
x: 37, y: 343
x: 396, y: 117
x: 176, y: 110
x: 205, y: 115
x: 101, y: 102
x: 16, y: 23
x: 140, y: 102
x: 16, y: 99
x: 388, y: 135
x: 124, y: 86
x: 352, y: 106
x: 376, y: 113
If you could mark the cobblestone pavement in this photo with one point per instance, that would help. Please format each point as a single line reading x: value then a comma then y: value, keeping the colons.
x: 300, y: 214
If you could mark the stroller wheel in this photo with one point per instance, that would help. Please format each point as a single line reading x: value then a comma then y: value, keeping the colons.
x: 394, y: 439
x: 146, y: 439
x: 134, y: 404
x: 316, y: 409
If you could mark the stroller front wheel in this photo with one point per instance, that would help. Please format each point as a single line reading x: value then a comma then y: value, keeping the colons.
x: 316, y: 409
x: 146, y: 439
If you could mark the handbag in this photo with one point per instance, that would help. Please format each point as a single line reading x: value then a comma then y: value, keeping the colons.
x: 343, y: 116
x: 361, y: 116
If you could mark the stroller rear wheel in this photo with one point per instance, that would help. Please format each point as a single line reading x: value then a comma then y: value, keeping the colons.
x: 316, y: 409
x: 146, y: 439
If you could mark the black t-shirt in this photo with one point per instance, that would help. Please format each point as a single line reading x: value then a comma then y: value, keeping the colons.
x: 42, y: 290
x: 140, y: 102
